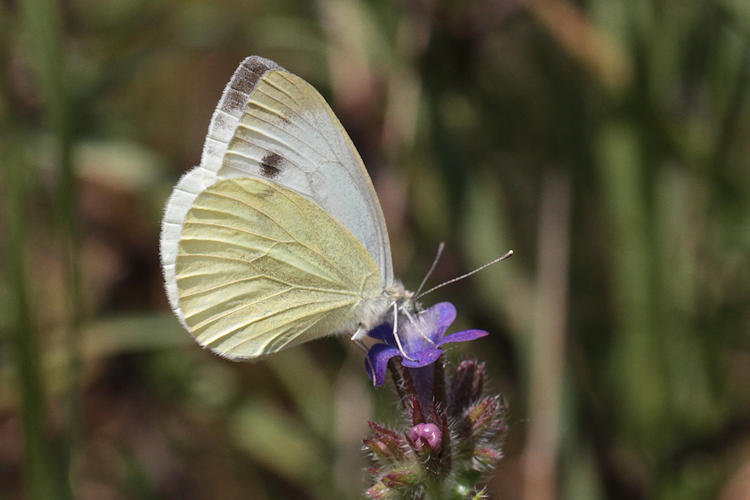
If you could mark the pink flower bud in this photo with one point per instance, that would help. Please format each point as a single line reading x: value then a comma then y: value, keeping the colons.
x: 428, y: 434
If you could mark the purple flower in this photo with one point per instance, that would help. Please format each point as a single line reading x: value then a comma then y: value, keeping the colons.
x: 421, y: 337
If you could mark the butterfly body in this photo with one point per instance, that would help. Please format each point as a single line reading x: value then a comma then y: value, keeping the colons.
x: 395, y: 299
x: 277, y: 237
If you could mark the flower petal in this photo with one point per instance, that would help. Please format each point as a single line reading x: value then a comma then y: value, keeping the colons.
x: 422, y: 358
x: 426, y: 329
x: 383, y: 332
x: 377, y: 358
x: 446, y: 315
x: 463, y: 336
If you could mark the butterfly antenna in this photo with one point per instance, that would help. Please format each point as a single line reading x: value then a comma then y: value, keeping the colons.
x: 441, y: 246
x: 441, y: 285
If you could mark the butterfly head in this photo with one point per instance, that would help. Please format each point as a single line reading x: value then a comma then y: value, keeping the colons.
x: 404, y: 299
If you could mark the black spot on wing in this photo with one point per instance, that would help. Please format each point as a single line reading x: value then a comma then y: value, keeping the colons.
x: 270, y: 165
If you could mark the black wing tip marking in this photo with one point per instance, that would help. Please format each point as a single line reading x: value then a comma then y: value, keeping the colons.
x: 270, y: 165
x: 233, y: 102
x: 244, y: 81
x: 260, y: 65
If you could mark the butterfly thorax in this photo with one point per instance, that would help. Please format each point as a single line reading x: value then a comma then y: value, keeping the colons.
x: 403, y: 298
x: 377, y: 310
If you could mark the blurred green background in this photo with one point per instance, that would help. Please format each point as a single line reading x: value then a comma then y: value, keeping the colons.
x: 606, y: 141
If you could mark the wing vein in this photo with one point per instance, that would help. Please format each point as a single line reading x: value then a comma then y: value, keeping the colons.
x: 231, y: 228
x: 283, y: 90
x: 310, y: 248
x: 279, y: 140
x: 275, y: 313
x: 301, y: 117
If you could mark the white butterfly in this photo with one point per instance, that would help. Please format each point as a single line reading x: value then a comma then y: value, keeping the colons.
x: 277, y: 237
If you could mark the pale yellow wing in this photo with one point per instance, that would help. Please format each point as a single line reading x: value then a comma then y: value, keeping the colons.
x: 261, y: 268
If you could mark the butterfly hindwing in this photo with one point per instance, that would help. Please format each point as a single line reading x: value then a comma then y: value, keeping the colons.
x: 260, y: 268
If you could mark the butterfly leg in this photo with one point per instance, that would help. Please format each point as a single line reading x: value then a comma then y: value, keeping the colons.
x: 358, y: 342
x: 395, y: 333
x: 360, y: 334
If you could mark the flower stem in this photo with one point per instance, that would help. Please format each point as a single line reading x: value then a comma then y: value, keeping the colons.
x: 398, y: 381
x: 441, y: 405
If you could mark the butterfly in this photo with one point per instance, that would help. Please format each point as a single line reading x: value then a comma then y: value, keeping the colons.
x: 277, y: 237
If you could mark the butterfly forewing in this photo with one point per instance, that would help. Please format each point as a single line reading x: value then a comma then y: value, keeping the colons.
x: 274, y: 125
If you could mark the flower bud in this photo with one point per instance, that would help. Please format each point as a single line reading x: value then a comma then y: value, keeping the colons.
x: 466, y: 387
x: 386, y: 444
x: 487, y: 454
x: 482, y: 415
x: 426, y: 434
x: 399, y: 478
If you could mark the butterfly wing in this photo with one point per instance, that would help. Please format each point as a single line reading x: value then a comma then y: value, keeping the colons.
x: 261, y: 268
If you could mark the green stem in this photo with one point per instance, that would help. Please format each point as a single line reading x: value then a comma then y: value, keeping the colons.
x: 637, y: 363
x: 43, y: 23
x: 38, y: 462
